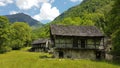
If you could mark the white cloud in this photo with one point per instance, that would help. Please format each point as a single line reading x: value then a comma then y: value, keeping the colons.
x: 76, y: 0
x: 5, y: 2
x: 2, y: 4
x: 28, y: 4
x: 51, y: 1
x: 13, y: 12
x: 65, y: 2
x: 47, y: 12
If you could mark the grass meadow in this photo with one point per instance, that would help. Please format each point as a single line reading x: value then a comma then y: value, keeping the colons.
x: 24, y: 59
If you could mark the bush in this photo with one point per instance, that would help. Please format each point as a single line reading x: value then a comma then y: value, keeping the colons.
x: 5, y: 49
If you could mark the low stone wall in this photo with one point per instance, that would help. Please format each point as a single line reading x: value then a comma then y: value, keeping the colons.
x: 39, y: 49
x: 108, y: 56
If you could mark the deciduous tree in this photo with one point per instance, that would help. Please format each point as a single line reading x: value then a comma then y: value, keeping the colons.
x: 4, y: 34
x: 21, y: 35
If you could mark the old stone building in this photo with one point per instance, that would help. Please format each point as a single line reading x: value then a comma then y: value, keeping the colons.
x: 82, y: 42
x: 40, y: 45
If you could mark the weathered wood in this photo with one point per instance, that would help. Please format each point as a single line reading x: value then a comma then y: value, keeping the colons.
x: 40, y: 45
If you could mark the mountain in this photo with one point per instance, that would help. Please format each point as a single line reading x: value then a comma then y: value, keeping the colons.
x: 21, y: 17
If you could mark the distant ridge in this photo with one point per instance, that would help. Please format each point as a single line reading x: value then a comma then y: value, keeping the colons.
x: 21, y: 17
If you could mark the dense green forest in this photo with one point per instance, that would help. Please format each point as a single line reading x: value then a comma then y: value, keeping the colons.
x: 89, y: 12
x: 104, y: 14
x: 113, y: 28
x: 13, y: 36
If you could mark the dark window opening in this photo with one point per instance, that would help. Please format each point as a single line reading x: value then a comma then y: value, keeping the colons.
x: 110, y: 49
x: 75, y: 42
x: 82, y: 43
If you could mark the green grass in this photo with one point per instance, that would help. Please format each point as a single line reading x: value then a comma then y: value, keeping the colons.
x: 24, y: 59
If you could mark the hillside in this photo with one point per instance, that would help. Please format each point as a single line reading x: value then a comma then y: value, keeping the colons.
x: 89, y: 12
x: 21, y: 17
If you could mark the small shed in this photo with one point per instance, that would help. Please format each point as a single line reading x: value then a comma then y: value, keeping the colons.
x: 77, y: 42
x: 40, y: 45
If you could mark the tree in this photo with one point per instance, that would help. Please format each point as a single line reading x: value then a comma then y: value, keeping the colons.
x: 21, y: 35
x: 116, y: 44
x: 113, y: 29
x: 113, y: 18
x: 4, y: 34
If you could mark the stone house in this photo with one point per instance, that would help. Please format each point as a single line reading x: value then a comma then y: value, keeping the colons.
x: 79, y: 42
x: 40, y: 45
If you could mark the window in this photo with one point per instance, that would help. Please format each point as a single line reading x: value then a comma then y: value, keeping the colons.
x: 63, y: 42
x: 75, y: 42
x: 57, y: 41
x: 90, y: 42
x: 98, y: 41
x: 93, y: 43
x: 68, y: 41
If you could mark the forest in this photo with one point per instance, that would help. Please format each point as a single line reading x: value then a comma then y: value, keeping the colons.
x: 104, y: 14
x: 13, y: 36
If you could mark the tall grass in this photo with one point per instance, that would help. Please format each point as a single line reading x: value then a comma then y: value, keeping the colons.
x: 24, y: 59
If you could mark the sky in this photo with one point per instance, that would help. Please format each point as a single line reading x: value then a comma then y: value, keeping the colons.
x: 41, y: 10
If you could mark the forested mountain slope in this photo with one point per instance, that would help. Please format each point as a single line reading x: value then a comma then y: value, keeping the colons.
x: 89, y: 12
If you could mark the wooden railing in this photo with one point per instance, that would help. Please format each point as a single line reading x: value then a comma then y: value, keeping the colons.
x: 79, y: 47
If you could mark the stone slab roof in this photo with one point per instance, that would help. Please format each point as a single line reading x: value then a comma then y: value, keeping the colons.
x: 62, y: 30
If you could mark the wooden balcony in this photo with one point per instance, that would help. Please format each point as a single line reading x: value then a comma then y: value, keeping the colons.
x: 69, y: 46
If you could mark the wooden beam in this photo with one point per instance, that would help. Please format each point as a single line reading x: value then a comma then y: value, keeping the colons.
x: 95, y: 43
x: 103, y: 43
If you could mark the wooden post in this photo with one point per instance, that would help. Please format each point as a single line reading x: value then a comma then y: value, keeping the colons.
x: 86, y: 43
x: 103, y: 44
x: 95, y: 43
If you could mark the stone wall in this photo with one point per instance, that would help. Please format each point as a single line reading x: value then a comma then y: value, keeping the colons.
x: 76, y: 54
x: 108, y: 56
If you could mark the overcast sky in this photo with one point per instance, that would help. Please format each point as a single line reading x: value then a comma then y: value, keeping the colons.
x: 41, y: 10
